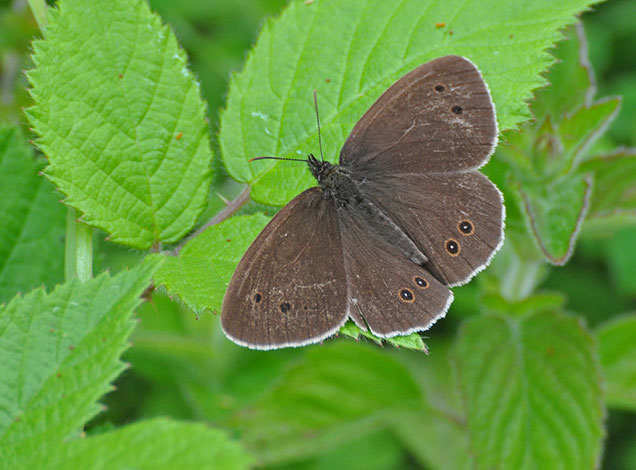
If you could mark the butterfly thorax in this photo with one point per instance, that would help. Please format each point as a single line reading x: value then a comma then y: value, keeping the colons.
x: 335, y: 181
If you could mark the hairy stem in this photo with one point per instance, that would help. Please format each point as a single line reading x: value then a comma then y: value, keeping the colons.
x: 78, y: 256
x: 232, y: 206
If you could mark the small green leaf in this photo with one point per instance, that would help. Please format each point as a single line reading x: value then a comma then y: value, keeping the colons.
x: 120, y: 118
x: 571, y: 79
x: 202, y: 271
x: 555, y: 211
x: 32, y: 229
x: 617, y: 348
x: 412, y: 341
x: 59, y: 353
x: 338, y: 391
x: 157, y: 444
x: 371, y: 44
x: 614, y: 183
x: 578, y: 131
x: 532, y: 389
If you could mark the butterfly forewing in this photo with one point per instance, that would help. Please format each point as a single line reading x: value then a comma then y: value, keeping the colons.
x: 438, y: 117
x: 289, y: 288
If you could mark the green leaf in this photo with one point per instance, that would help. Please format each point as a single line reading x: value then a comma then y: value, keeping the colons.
x: 555, y: 211
x: 532, y: 391
x: 335, y: 393
x: 60, y: 352
x: 157, y: 444
x: 571, y: 79
x: 578, y: 131
x: 618, y: 359
x: 371, y: 44
x: 412, y: 341
x: 614, y: 183
x: 202, y: 271
x: 121, y: 120
x: 32, y: 229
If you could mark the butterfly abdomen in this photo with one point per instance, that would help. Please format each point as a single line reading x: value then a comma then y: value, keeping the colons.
x: 391, y: 232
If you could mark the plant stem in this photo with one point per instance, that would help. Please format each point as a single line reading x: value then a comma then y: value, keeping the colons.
x: 78, y: 249
x: 38, y: 9
x: 521, y: 279
x: 78, y: 257
x: 232, y: 206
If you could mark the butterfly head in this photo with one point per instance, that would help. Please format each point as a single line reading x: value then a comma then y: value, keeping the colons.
x: 320, y: 169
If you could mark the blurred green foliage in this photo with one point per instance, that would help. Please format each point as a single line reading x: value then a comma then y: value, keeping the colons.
x: 183, y: 367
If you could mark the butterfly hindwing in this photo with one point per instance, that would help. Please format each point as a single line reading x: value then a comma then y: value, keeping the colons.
x: 456, y: 219
x: 289, y: 288
x: 388, y: 292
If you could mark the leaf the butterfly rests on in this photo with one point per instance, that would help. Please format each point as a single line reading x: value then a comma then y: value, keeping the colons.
x: 403, y: 216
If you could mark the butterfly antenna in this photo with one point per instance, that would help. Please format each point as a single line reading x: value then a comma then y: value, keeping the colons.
x: 322, y: 158
x: 276, y: 158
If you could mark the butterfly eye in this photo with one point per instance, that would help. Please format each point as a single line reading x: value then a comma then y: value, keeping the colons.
x: 258, y: 297
x: 284, y: 307
x: 439, y: 88
x: 452, y: 247
x: 466, y: 227
x: 457, y: 109
x: 421, y: 282
x: 407, y: 295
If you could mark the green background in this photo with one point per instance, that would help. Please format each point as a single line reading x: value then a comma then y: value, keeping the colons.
x: 179, y: 361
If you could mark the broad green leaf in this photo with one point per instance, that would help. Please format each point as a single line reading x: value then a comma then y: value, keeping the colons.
x: 336, y: 392
x: 555, y: 211
x: 371, y: 44
x: 202, y: 271
x: 32, y: 229
x: 60, y: 351
x: 614, y: 183
x: 571, y: 79
x: 121, y: 120
x: 578, y: 131
x: 157, y: 444
x: 532, y: 391
x: 617, y: 348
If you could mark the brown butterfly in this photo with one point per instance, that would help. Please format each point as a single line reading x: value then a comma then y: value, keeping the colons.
x: 404, y: 216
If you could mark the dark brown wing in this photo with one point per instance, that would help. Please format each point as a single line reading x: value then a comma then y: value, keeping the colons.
x: 455, y: 219
x: 388, y: 292
x: 437, y: 118
x: 289, y: 289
